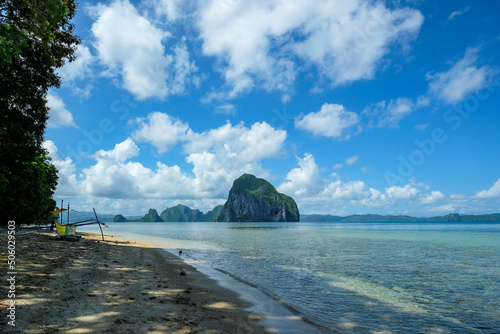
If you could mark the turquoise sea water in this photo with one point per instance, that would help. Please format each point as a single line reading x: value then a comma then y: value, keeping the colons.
x: 356, y: 278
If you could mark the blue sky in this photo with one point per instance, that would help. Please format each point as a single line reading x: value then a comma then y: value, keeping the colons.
x: 347, y: 106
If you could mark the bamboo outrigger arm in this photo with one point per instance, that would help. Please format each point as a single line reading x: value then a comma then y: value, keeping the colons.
x: 98, y: 222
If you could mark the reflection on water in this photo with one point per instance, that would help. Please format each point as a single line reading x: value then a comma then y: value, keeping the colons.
x: 361, y: 278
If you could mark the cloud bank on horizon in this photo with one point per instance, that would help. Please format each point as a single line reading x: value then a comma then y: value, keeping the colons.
x: 347, y: 106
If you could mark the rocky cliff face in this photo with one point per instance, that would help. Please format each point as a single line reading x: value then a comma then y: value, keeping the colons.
x: 255, y: 200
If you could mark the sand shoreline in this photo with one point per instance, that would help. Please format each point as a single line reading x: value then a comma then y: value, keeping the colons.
x: 276, y: 316
x: 116, y: 286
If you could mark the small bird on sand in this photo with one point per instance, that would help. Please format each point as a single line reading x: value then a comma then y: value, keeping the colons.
x: 183, y: 273
x: 180, y: 252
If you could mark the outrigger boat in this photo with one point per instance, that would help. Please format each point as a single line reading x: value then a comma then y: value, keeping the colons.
x: 68, y: 231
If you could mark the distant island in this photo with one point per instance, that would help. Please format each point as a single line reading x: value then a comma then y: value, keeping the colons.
x: 178, y: 213
x: 255, y: 200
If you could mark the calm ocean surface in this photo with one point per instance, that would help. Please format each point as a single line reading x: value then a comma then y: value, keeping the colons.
x: 356, y: 278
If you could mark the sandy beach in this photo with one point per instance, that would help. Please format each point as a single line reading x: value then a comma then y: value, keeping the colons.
x: 115, y: 286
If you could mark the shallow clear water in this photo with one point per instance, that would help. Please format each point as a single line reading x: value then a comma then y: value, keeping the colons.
x: 356, y: 278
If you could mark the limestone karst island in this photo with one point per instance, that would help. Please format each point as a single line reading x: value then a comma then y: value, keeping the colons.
x: 250, y: 199
x: 255, y: 200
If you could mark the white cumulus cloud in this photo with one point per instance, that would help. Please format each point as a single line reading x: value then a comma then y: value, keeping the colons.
x: 67, y: 184
x: 258, y: 142
x: 388, y: 114
x: 338, y: 190
x: 132, y: 47
x: 462, y: 79
x: 182, y: 69
x: 171, y: 9
x: 406, y: 192
x: 123, y: 151
x: 493, y: 192
x: 221, y: 155
x: 160, y: 130
x: 348, y: 40
x: 335, y: 195
x: 433, y: 197
x: 302, y: 180
x: 58, y: 114
x: 72, y: 73
x: 345, y: 41
x: 218, y: 156
x: 333, y: 121
x: 115, y: 175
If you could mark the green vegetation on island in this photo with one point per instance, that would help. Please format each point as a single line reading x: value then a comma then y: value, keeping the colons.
x: 178, y: 213
x: 151, y: 216
x: 181, y: 213
x: 250, y: 200
x: 255, y: 200
x: 119, y: 219
x: 211, y: 216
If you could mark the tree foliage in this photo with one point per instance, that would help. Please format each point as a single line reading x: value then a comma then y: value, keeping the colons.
x: 36, y: 38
